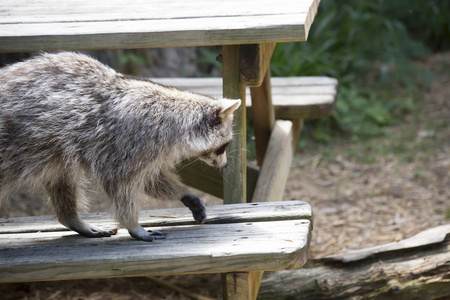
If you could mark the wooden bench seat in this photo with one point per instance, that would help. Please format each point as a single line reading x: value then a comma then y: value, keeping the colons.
x: 292, y: 97
x: 236, y: 238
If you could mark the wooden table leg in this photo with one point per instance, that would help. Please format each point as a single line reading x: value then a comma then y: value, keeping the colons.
x: 241, y: 285
x: 297, y: 130
x: 249, y: 66
x: 236, y: 285
x: 235, y: 175
x: 264, y: 116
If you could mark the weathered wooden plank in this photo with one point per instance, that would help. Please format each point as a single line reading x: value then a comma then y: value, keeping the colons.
x: 277, y: 82
x: 83, y: 25
x: 191, y: 249
x: 311, y: 107
x: 419, y: 270
x: 105, y: 11
x: 275, y: 169
x: 235, y: 175
x: 210, y: 180
x: 292, y: 97
x: 255, y: 60
x: 218, y: 214
x: 136, y: 34
x: 428, y: 237
x: 263, y: 108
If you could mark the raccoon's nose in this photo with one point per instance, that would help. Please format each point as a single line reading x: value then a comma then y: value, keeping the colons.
x: 226, y: 164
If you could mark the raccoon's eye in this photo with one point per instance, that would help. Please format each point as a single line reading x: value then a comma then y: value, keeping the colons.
x: 221, y: 149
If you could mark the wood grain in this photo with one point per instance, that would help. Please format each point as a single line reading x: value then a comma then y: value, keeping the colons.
x: 416, y: 268
x: 48, y: 25
x: 235, y: 175
x: 262, y: 107
x: 218, y: 214
x: 233, y: 213
x: 292, y: 97
x: 297, y: 126
x: 255, y: 60
x: 276, y: 166
x: 189, y: 249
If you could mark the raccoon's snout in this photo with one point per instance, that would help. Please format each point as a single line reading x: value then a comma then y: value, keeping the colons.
x: 220, y: 162
x: 216, y: 162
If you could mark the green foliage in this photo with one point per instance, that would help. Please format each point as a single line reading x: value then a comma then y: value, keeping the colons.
x: 130, y: 57
x: 368, y: 47
x: 427, y: 21
x: 132, y: 62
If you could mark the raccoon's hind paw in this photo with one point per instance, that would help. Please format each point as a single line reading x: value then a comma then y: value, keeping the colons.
x: 83, y: 228
x: 94, y: 232
x: 140, y: 233
x: 197, y: 207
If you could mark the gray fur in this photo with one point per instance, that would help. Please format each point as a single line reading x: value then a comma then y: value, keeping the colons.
x: 66, y: 113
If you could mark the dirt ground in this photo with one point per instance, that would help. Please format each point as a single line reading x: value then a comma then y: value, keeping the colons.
x: 357, y: 201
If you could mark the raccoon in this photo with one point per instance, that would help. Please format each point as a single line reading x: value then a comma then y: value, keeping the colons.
x: 66, y: 115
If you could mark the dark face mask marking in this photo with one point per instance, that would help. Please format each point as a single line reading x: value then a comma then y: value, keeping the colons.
x: 221, y: 149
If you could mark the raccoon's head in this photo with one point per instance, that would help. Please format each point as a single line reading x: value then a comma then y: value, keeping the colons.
x: 220, y: 133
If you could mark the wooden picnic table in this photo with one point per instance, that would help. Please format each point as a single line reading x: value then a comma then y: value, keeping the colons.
x: 247, y: 30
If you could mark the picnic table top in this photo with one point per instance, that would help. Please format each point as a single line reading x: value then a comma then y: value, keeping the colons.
x: 29, y: 25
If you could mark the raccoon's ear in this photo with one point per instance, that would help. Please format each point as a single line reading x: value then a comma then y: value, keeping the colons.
x: 228, y: 107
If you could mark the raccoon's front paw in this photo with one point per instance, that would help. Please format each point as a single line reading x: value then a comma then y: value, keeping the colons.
x: 197, y: 207
x: 95, y: 232
x: 144, y: 235
x: 83, y: 228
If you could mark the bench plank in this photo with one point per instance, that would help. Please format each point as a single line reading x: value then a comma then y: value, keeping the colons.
x: 292, y: 97
x: 237, y: 213
x: 246, y: 243
x: 277, y: 163
x: 75, y: 25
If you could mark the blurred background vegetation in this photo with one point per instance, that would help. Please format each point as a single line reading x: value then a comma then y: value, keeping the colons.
x: 374, y: 49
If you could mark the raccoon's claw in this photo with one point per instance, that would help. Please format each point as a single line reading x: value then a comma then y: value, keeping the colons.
x: 147, y: 236
x: 199, y: 217
x: 196, y: 206
x: 83, y: 228
x: 94, y: 232
x: 157, y: 235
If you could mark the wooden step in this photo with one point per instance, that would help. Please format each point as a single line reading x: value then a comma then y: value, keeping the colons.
x: 236, y: 238
x: 292, y: 97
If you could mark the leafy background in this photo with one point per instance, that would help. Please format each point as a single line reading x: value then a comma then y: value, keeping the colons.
x: 372, y: 48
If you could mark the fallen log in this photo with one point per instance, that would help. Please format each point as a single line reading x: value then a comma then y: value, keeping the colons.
x: 415, y: 268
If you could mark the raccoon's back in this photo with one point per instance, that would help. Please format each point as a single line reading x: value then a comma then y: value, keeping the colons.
x: 59, y: 77
x: 49, y: 105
